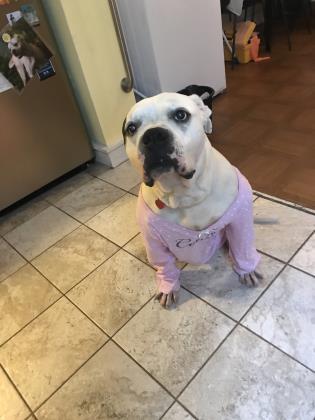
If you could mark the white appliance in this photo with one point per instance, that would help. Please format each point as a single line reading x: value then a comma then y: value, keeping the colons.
x: 173, y: 43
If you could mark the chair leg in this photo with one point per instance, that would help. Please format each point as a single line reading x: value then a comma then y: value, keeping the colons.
x: 267, y: 32
x: 284, y: 14
x: 233, y: 41
x: 253, y: 10
x: 305, y: 4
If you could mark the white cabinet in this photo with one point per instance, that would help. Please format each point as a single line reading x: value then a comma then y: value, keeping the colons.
x: 173, y: 43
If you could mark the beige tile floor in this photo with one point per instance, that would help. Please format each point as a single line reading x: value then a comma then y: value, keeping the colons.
x: 82, y: 338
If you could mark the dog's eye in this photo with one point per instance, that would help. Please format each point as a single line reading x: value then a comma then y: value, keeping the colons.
x: 181, y: 115
x: 131, y: 129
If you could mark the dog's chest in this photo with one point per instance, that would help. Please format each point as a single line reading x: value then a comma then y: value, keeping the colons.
x: 197, y: 217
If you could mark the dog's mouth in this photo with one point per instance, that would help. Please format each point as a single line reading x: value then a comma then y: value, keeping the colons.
x: 158, y: 155
x: 155, y: 166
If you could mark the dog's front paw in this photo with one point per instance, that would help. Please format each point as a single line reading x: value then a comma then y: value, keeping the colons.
x: 251, y: 279
x: 166, y: 300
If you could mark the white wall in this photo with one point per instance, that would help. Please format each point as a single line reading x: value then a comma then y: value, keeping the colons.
x: 187, y: 38
x: 174, y: 43
x: 87, y: 40
x: 136, y: 31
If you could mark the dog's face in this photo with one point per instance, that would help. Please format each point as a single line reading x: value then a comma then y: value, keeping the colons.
x: 166, y: 133
x: 15, y: 44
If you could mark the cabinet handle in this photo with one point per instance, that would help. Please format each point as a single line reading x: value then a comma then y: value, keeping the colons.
x: 126, y: 83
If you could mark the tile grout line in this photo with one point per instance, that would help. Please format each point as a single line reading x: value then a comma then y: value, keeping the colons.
x: 29, y: 261
x: 30, y: 322
x: 110, y: 336
x: 68, y: 234
x: 72, y: 374
x: 46, y: 249
x: 51, y: 204
x: 66, y: 297
x: 109, y: 339
x: 18, y: 392
x: 224, y: 314
x: 107, y: 336
x: 210, y: 304
x: 271, y: 256
x: 115, y: 201
x: 120, y: 248
x: 108, y: 205
x: 91, y: 272
x: 206, y: 361
x: 302, y: 271
x: 241, y: 325
x: 183, y: 406
x: 96, y: 214
x: 277, y: 200
x: 144, y: 369
x: 138, y: 310
x: 84, y: 224
x: 167, y: 410
x: 277, y: 348
x: 14, y: 272
x: 286, y: 264
x: 10, y: 230
x: 45, y: 199
x: 259, y: 194
x: 62, y: 294
x: 113, y: 185
x: 54, y: 244
x: 262, y: 293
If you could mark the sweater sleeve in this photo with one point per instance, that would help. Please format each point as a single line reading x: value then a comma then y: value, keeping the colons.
x: 167, y: 274
x: 241, y: 238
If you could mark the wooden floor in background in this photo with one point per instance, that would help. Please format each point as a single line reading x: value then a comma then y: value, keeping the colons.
x: 265, y: 122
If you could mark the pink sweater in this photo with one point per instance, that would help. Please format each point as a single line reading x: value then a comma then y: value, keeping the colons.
x: 166, y: 241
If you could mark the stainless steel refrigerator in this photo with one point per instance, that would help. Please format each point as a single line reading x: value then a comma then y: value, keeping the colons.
x: 42, y: 135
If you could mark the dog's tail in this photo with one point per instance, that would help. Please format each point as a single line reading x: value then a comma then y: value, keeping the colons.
x: 266, y: 220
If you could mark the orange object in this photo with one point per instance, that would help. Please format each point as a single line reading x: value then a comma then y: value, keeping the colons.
x: 254, y: 50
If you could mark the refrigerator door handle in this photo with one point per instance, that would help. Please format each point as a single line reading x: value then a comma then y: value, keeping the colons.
x: 126, y: 83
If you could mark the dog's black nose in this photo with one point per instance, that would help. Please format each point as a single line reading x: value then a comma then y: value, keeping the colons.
x: 156, y: 137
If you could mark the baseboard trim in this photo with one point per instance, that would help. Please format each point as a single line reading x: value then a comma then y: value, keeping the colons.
x: 110, y: 156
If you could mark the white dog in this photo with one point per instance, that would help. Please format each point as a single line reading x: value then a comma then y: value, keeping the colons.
x: 24, y: 64
x: 192, y: 200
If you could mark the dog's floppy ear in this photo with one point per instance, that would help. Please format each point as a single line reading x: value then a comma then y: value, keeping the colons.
x: 123, y: 130
x: 206, y: 113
